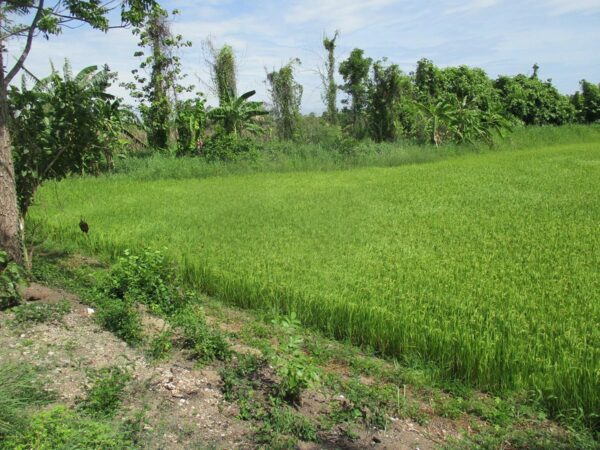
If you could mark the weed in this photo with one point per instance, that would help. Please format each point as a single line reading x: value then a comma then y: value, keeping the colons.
x: 120, y: 317
x: 41, y: 312
x: 294, y: 368
x: 62, y: 428
x: 204, y: 343
x: 147, y: 278
x: 161, y: 345
x: 106, y: 394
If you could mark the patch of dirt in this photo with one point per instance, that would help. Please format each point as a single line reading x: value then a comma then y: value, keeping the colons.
x: 184, y: 404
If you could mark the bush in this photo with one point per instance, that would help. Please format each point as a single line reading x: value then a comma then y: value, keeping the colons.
x: 145, y: 278
x: 61, y: 428
x: 228, y: 147
x: 120, y: 317
x: 106, y: 394
x: 11, y: 276
x: 41, y: 312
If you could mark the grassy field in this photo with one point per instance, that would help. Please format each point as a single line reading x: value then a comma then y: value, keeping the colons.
x: 486, y: 264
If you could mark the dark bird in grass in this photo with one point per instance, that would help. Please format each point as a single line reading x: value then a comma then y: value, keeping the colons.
x: 83, y: 226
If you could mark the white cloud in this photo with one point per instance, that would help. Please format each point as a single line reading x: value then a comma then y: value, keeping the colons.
x: 558, y: 7
x: 470, y: 6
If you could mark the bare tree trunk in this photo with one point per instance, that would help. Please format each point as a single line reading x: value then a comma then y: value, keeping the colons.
x: 9, y: 211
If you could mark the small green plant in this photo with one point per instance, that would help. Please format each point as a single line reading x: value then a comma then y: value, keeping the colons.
x: 62, y: 428
x: 161, y: 345
x: 294, y: 368
x: 284, y: 426
x: 121, y: 318
x: 106, y: 394
x: 41, y: 312
x: 204, y: 343
x: 11, y: 276
x: 146, y: 278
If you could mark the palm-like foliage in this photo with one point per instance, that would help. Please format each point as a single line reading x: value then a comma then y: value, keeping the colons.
x: 439, y: 118
x: 237, y: 115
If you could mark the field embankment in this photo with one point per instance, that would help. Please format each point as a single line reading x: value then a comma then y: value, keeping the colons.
x: 487, y: 265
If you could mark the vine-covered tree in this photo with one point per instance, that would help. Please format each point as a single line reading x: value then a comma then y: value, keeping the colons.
x: 286, y: 97
x: 25, y: 19
x: 223, y: 72
x: 355, y: 71
x: 157, y: 84
x: 387, y: 89
x: 328, y: 78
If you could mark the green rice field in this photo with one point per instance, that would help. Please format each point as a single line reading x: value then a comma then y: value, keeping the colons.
x: 487, y: 265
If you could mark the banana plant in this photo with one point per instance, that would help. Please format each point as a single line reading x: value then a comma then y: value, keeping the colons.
x: 237, y: 115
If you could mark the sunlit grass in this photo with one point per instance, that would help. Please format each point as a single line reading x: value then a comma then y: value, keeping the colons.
x: 488, y: 265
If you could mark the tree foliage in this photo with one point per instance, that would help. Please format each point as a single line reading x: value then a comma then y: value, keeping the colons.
x: 286, y: 97
x: 533, y: 101
x: 355, y: 72
x: 62, y: 125
x: 587, y: 102
x: 237, y: 115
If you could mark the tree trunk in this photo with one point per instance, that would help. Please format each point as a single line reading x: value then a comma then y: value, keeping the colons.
x: 9, y: 211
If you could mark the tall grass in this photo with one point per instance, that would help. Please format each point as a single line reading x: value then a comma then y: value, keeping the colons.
x: 487, y: 265
x: 293, y: 157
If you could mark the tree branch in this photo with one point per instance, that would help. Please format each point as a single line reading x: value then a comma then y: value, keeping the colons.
x: 19, y: 64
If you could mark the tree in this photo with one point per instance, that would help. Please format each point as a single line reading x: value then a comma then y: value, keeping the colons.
x: 286, y: 95
x: 47, y: 21
x: 63, y: 124
x: 157, y: 90
x: 386, y: 90
x: 589, y: 110
x: 223, y: 71
x: 330, y: 95
x: 533, y: 101
x: 355, y: 71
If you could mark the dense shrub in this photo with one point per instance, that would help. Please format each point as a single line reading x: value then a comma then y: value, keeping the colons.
x: 147, y: 278
x: 229, y: 147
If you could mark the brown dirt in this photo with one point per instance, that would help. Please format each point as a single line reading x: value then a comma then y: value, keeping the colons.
x: 185, y: 407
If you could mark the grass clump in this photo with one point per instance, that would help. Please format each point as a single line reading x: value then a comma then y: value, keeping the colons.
x: 20, y: 389
x: 106, y: 393
x: 41, y: 312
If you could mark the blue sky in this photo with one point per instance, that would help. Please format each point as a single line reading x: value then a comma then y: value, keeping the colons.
x: 501, y: 36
